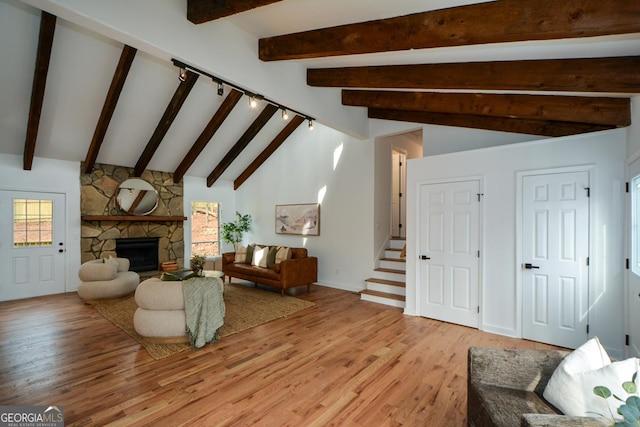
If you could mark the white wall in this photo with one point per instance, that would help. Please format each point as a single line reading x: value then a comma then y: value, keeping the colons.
x: 498, y: 166
x: 633, y: 131
x: 196, y: 190
x: 446, y: 139
x: 55, y: 176
x: 323, y: 166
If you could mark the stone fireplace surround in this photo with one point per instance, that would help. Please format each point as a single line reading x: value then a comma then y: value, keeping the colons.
x: 98, y: 198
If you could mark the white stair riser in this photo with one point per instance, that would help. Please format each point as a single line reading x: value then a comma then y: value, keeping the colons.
x: 389, y: 289
x: 389, y: 276
x: 380, y: 300
x: 396, y: 244
x: 391, y: 254
x: 394, y: 265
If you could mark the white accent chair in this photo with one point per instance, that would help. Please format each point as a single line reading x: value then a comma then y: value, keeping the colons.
x: 106, y: 278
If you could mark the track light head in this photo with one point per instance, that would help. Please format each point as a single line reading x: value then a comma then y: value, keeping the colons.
x: 310, y: 124
x: 285, y: 115
x: 220, y: 89
x: 183, y: 75
x: 253, y: 102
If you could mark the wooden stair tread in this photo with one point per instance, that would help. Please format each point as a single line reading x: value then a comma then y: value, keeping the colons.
x: 387, y: 282
x: 393, y: 259
x: 398, y: 238
x: 390, y: 270
x: 383, y: 295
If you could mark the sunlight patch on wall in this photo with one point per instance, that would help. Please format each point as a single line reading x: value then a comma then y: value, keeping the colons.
x: 321, y: 194
x: 337, y: 153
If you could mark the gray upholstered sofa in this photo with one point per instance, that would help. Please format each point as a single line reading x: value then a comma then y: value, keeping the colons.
x: 505, y: 388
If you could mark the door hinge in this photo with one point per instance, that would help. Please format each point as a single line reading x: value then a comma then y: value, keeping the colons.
x: 480, y: 195
x: 399, y: 225
x: 587, y: 328
x: 626, y: 187
x: 626, y: 340
x: 626, y: 263
x: 478, y: 309
x: 478, y: 254
x: 587, y: 261
x: 588, y: 190
x: 400, y: 195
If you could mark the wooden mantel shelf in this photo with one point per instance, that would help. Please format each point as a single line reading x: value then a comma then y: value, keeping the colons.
x: 131, y: 218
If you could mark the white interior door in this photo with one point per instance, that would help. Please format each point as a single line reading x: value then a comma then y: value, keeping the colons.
x: 398, y: 188
x: 448, y: 248
x: 32, y: 251
x: 555, y: 273
x: 633, y: 298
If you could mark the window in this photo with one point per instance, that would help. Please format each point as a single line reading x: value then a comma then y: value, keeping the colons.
x: 205, y: 223
x: 32, y: 222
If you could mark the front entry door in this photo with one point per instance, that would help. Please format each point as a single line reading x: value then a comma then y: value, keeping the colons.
x: 555, y: 250
x: 32, y: 251
x: 448, y: 248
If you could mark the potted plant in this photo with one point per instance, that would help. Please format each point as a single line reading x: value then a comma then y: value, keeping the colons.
x: 630, y: 409
x: 232, y: 231
x: 197, y: 264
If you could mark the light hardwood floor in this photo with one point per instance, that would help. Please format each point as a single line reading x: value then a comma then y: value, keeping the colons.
x: 344, y: 362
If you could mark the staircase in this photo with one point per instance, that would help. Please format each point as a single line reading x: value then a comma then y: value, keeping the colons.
x: 388, y: 284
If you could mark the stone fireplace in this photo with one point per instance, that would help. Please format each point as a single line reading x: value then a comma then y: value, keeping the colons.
x: 103, y: 222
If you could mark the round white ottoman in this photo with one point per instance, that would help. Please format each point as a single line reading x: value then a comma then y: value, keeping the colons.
x: 160, y: 315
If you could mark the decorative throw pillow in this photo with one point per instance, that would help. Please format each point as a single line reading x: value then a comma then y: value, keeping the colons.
x: 570, y: 388
x: 241, y: 254
x: 282, y: 254
x: 271, y: 257
x: 260, y: 256
x: 250, y: 250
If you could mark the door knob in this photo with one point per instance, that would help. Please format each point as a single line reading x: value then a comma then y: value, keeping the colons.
x: 529, y: 266
x: 424, y: 257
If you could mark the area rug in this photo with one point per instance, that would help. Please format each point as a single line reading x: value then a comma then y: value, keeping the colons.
x: 245, y: 308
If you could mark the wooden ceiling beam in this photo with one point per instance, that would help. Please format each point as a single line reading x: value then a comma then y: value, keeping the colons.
x: 502, y: 124
x: 267, y: 152
x: 200, y: 11
x: 170, y: 113
x: 255, y: 127
x: 43, y: 57
x: 117, y: 83
x: 596, y: 110
x: 212, y: 127
x: 490, y: 22
x: 612, y: 75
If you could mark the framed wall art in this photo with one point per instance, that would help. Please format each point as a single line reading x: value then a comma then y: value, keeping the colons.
x: 301, y: 219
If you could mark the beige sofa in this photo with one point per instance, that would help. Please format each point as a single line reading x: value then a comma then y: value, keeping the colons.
x: 106, y: 278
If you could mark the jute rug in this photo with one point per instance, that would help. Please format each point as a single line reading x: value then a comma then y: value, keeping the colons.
x: 245, y: 308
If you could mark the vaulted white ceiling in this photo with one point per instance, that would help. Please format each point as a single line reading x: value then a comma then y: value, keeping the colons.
x: 90, y: 35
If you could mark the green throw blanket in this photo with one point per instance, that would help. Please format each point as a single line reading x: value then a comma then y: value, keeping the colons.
x: 204, y: 309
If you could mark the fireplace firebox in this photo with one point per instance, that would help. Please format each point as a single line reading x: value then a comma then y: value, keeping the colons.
x: 142, y: 252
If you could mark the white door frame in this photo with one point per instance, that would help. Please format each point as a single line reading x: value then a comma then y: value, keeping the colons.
x: 517, y: 268
x: 403, y: 188
x: 633, y: 349
x: 481, y: 247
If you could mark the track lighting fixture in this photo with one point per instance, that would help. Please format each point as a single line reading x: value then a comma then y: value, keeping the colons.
x: 253, y: 97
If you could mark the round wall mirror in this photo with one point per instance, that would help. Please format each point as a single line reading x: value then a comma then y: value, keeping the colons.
x: 137, y: 197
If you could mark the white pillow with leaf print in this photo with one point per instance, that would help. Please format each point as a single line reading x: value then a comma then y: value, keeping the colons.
x: 570, y: 388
